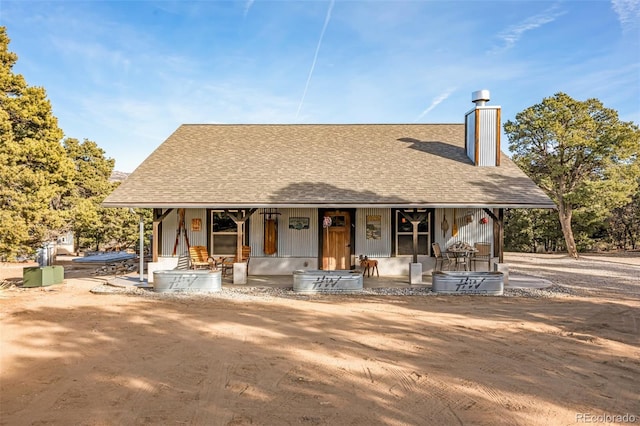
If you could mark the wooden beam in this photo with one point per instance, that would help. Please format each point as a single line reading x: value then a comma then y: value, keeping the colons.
x: 239, y: 219
x: 157, y: 219
x: 498, y: 232
x: 490, y: 213
x: 501, y: 234
x: 498, y: 152
x: 154, y: 245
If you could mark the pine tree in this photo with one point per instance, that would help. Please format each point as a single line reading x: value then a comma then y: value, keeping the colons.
x: 35, y: 171
x: 580, y: 153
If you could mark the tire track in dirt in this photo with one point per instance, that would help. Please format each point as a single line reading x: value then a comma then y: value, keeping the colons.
x: 412, y: 397
x: 424, y: 397
x: 271, y: 383
x: 211, y: 393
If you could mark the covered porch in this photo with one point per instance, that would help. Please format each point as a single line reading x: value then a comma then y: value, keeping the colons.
x: 284, y: 239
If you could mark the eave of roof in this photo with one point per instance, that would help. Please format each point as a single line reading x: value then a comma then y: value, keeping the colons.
x: 331, y: 205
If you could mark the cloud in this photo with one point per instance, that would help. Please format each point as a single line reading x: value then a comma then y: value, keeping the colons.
x: 514, y: 33
x: 628, y: 12
x: 247, y: 6
x: 315, y: 57
x: 437, y: 101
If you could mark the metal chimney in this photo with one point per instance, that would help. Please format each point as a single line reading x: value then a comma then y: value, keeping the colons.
x: 480, y: 97
x: 482, y: 131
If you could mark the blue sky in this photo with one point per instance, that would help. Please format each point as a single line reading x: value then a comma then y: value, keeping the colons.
x: 126, y: 74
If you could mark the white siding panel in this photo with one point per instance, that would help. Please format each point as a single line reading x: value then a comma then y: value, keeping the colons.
x: 488, y: 137
x: 369, y: 247
x: 471, y: 135
x: 469, y: 232
x: 256, y: 233
x: 170, y: 231
x: 291, y: 242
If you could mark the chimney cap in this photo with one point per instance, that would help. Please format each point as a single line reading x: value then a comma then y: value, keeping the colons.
x: 480, y: 97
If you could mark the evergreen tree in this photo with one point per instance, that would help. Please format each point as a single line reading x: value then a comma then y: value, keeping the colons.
x: 624, y: 225
x: 90, y: 187
x: 580, y: 153
x: 35, y: 171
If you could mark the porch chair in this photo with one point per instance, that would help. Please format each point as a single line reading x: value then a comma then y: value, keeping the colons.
x: 440, y: 257
x: 183, y: 262
x: 227, y: 262
x: 482, y: 254
x: 199, y: 258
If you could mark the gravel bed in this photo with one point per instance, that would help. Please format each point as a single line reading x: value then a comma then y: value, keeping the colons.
x: 266, y: 293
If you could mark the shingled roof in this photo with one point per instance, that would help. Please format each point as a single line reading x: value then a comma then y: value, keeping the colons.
x: 384, y: 165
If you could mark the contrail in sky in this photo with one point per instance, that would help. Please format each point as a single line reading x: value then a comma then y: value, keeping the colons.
x: 315, y: 57
x: 247, y: 6
x: 512, y: 34
x: 434, y: 104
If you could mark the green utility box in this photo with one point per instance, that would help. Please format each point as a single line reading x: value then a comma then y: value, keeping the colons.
x: 44, y: 276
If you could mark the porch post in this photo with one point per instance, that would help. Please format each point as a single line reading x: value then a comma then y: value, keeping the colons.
x: 240, y: 218
x: 498, y: 232
x: 415, y: 224
x: 415, y: 218
x: 501, y: 235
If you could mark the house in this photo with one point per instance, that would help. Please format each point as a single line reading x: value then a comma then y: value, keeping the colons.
x: 65, y: 243
x: 320, y: 196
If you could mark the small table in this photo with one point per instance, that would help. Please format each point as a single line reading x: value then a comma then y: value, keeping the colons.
x: 461, y: 257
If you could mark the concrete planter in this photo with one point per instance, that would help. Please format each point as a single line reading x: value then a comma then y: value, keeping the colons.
x: 327, y: 281
x: 240, y: 273
x: 504, y: 268
x: 490, y: 283
x: 175, y: 281
x: 415, y: 273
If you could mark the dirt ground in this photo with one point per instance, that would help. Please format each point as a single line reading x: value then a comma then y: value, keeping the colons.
x: 71, y: 357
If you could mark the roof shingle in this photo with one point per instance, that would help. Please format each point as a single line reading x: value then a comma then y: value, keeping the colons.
x: 322, y: 165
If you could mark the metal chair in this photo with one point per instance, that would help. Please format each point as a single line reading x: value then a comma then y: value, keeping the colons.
x: 482, y: 254
x: 440, y: 256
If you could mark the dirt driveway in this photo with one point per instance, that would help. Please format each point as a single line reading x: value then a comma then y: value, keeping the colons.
x: 70, y: 357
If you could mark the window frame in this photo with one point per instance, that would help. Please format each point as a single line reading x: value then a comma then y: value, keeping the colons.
x: 397, y: 233
x: 213, y: 233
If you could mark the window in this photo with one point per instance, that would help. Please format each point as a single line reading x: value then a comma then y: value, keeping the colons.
x: 338, y: 221
x: 404, y: 235
x: 224, y: 234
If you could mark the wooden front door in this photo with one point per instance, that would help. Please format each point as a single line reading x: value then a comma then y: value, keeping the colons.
x: 336, y: 241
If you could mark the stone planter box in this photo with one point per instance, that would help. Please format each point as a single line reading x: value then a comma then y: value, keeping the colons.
x: 174, y: 281
x: 489, y: 283
x: 316, y: 281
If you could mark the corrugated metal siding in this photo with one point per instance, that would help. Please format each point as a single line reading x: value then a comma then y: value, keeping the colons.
x: 469, y: 232
x: 471, y: 134
x: 170, y: 228
x: 373, y: 248
x: 291, y: 243
x: 488, y: 137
